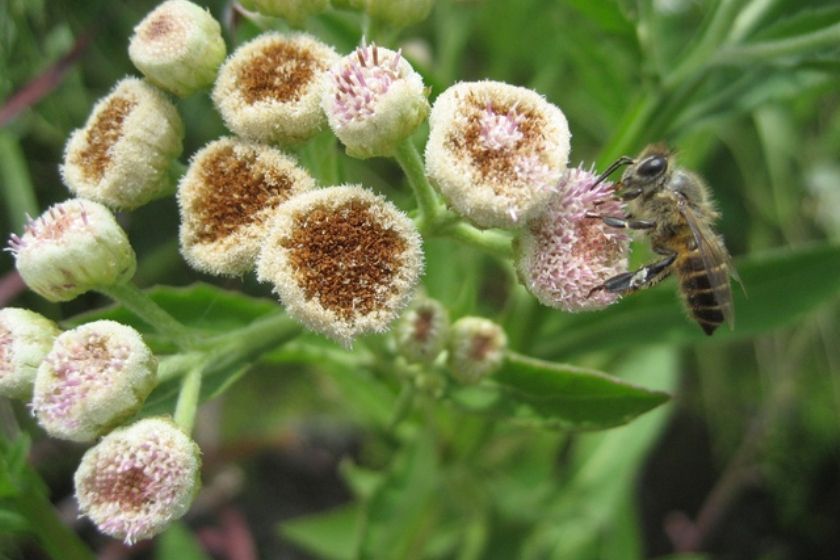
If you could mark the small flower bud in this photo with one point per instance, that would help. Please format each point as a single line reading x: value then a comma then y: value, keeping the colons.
x: 495, y: 151
x: 227, y: 198
x: 423, y: 330
x: 139, y: 479
x: 343, y: 260
x: 94, y: 377
x: 25, y: 338
x: 295, y: 12
x: 270, y: 89
x: 476, y: 349
x: 74, y: 247
x: 122, y: 156
x: 178, y: 47
x: 374, y: 100
x: 565, y: 252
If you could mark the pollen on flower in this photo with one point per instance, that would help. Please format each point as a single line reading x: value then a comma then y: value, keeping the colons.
x: 139, y: 479
x: 75, y: 246
x: 564, y: 252
x: 270, y: 89
x: 374, y: 100
x: 121, y: 158
x: 343, y: 261
x: 495, y: 151
x: 226, y: 199
x: 94, y: 377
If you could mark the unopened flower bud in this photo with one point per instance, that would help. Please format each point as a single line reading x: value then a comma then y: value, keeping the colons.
x: 94, y: 377
x: 423, y: 330
x: 139, y: 479
x: 178, y: 47
x: 74, y: 247
x: 476, y: 349
x: 122, y: 157
x: 343, y: 260
x: 25, y: 338
x: 270, y: 89
x: 373, y: 100
x: 227, y: 199
x: 496, y: 151
x: 295, y: 12
x: 565, y: 252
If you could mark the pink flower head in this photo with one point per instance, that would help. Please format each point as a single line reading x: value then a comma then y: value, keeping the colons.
x: 565, y: 252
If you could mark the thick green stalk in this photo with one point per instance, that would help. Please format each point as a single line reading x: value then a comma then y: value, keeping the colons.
x: 768, y: 51
x: 58, y: 540
x: 489, y: 240
x: 144, y: 307
x: 427, y: 199
x: 188, y: 398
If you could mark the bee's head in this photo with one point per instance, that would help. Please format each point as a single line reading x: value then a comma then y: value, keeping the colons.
x: 649, y: 170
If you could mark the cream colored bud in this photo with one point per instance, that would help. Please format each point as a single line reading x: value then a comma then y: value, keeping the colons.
x: 270, y: 89
x: 496, y: 151
x: 343, y: 260
x: 178, y: 47
x: 374, y: 100
x: 139, y: 479
x: 74, y: 247
x: 25, y: 339
x: 476, y: 348
x: 227, y: 199
x: 122, y: 157
x: 423, y: 330
x: 94, y: 377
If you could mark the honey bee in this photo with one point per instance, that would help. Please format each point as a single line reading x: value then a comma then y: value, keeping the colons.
x: 672, y: 205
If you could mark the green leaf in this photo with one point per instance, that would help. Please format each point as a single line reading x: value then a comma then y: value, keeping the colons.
x: 799, y: 24
x: 539, y: 393
x: 399, y: 518
x: 201, y: 306
x: 782, y: 287
x: 178, y: 543
x: 330, y: 535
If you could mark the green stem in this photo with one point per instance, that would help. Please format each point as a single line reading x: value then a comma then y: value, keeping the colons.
x: 489, y: 240
x: 188, y: 399
x: 144, y: 307
x: 427, y: 199
x: 248, y: 343
x: 18, y: 191
x: 772, y: 50
x: 57, y: 539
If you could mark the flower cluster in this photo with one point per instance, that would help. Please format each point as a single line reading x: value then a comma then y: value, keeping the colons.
x: 343, y: 260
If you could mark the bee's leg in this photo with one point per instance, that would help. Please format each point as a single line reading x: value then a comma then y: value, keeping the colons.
x: 622, y: 223
x: 643, y: 278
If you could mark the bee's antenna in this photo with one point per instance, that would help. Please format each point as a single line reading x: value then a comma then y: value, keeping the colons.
x: 623, y: 160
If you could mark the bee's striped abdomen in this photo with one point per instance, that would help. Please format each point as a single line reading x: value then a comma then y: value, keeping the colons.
x: 698, y: 292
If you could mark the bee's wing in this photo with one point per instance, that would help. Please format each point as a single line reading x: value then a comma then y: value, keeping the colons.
x: 716, y: 260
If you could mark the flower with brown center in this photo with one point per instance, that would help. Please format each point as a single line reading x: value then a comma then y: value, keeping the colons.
x: 94, y: 377
x: 25, y: 339
x: 139, y: 479
x: 227, y: 198
x: 178, y: 47
x: 565, y: 252
x: 423, y: 330
x: 270, y: 89
x: 343, y: 260
x: 74, y: 247
x: 374, y: 100
x: 122, y: 157
x: 496, y: 151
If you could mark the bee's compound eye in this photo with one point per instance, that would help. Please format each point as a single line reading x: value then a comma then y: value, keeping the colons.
x: 652, y: 166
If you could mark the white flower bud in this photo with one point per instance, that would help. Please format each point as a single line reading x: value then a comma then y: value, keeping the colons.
x: 25, y: 338
x: 94, y: 377
x: 122, y: 156
x: 476, y: 348
x: 139, y: 479
x: 178, y: 47
x: 74, y: 247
